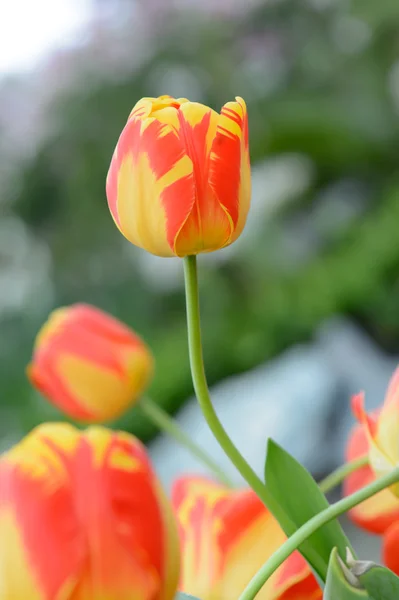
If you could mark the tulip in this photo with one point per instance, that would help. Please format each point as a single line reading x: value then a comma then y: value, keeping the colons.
x: 382, y: 430
x: 378, y: 512
x: 226, y: 536
x: 83, y: 517
x: 90, y: 365
x: 179, y: 181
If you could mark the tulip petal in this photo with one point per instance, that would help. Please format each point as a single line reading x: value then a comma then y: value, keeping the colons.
x: 208, y: 226
x: 229, y: 171
x: 295, y: 581
x: 378, y: 512
x: 388, y: 421
x: 390, y: 548
x: 226, y: 536
x: 380, y: 460
x: 149, y: 175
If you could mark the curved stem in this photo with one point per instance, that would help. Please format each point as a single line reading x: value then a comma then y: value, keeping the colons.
x: 202, y: 391
x: 302, y: 534
x: 337, y: 476
x: 164, y: 422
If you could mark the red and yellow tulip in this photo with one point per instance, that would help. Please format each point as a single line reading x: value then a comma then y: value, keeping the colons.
x: 225, y: 537
x: 378, y: 512
x: 382, y: 430
x: 90, y: 365
x: 179, y: 181
x: 83, y: 517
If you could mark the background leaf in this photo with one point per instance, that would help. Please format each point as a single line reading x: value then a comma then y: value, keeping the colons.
x: 183, y: 596
x: 300, y: 498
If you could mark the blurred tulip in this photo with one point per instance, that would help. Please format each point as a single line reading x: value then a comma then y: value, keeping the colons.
x: 179, y: 181
x: 90, y: 365
x: 382, y: 430
x: 226, y: 536
x: 378, y: 512
x: 83, y: 517
x: 390, y: 547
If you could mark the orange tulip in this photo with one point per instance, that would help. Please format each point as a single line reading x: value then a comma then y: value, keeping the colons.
x: 382, y: 430
x: 377, y: 513
x: 225, y: 537
x: 179, y: 181
x: 90, y: 365
x: 83, y: 517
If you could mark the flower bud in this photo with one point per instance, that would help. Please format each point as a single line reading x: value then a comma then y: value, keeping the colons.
x: 179, y: 181
x: 90, y: 365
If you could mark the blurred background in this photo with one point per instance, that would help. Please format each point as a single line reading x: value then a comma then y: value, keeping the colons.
x: 303, y: 310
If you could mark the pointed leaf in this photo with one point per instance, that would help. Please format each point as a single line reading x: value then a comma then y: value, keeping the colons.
x: 380, y: 582
x: 337, y: 585
x: 300, y: 498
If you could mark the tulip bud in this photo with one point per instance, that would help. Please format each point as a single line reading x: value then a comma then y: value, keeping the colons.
x: 90, y: 365
x: 83, y: 517
x: 226, y: 536
x: 179, y: 181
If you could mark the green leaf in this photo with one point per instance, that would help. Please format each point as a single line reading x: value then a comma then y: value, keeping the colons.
x: 183, y: 596
x: 300, y: 498
x: 380, y: 582
x: 337, y: 584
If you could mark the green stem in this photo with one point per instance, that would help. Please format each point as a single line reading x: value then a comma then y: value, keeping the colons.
x: 202, y: 391
x: 158, y: 416
x: 302, y: 534
x: 337, y: 476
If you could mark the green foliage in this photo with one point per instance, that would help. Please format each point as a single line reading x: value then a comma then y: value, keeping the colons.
x: 299, y: 496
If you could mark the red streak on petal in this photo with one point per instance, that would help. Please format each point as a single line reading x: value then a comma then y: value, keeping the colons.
x: 225, y: 171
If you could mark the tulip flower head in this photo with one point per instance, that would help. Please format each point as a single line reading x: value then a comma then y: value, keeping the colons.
x: 90, y: 365
x: 376, y: 514
x: 83, y: 517
x: 382, y: 431
x: 179, y: 180
x: 226, y: 536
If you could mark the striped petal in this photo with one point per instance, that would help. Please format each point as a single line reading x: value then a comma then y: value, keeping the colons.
x: 225, y: 538
x: 378, y: 512
x: 382, y: 432
x: 150, y: 185
x: 208, y: 226
x: 388, y: 421
x: 229, y: 171
x: 381, y: 454
x: 81, y: 518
